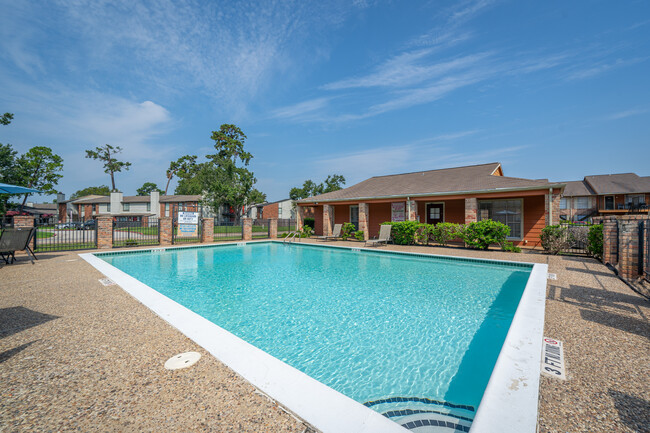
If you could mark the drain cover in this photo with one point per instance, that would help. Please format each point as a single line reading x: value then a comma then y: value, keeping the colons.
x: 182, y: 360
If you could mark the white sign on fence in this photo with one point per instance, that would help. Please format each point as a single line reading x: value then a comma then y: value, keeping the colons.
x: 553, y: 359
x: 188, y: 217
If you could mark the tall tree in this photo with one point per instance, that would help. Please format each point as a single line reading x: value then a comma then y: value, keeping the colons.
x: 91, y: 190
x: 6, y: 118
x: 9, y: 172
x: 256, y: 196
x: 40, y: 169
x: 334, y: 182
x: 147, y: 188
x: 180, y: 167
x: 224, y: 178
x: 112, y: 165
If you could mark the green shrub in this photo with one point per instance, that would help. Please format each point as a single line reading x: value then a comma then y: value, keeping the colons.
x: 554, y: 239
x: 306, y: 232
x: 347, y: 231
x: 482, y: 234
x: 359, y: 235
x: 403, y: 232
x: 423, y: 233
x: 595, y: 241
x: 509, y: 246
x: 311, y: 222
x: 442, y: 233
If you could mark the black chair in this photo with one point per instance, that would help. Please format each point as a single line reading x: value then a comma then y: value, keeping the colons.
x: 16, y: 240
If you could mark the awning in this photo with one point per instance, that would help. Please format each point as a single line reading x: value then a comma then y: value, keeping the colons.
x: 5, y: 188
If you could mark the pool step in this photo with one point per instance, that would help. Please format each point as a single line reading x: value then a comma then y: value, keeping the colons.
x: 424, y: 415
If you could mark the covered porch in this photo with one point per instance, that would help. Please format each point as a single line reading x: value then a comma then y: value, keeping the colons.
x: 525, y: 212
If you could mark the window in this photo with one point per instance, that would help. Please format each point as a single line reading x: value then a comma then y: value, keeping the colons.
x: 609, y: 202
x: 94, y: 208
x: 508, y: 212
x: 634, y: 199
x: 582, y: 203
x: 108, y: 207
x: 166, y: 209
x: 354, y: 216
x: 563, y: 203
x: 148, y: 206
x: 127, y: 207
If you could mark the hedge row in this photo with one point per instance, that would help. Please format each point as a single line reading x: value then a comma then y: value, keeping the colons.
x: 480, y: 234
x: 557, y: 239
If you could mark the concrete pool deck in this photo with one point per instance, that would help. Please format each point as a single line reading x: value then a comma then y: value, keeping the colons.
x: 75, y: 354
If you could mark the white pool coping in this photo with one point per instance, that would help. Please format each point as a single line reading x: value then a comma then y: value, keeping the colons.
x: 509, y: 403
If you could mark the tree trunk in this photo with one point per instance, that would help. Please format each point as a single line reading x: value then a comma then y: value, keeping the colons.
x: 169, y: 179
x: 113, y: 182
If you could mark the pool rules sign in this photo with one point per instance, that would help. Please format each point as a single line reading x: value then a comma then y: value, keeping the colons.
x: 188, y: 224
x: 553, y: 359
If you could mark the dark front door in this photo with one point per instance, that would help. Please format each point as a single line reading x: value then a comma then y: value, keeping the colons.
x: 434, y: 213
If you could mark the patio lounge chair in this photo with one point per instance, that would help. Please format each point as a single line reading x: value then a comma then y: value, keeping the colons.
x: 16, y: 240
x: 384, y: 236
x: 336, y: 233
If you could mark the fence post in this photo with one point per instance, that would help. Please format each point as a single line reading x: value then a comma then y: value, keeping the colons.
x: 166, y: 230
x: 247, y: 228
x: 104, y: 232
x: 23, y: 222
x: 610, y: 241
x: 207, y: 231
x: 273, y: 228
x: 629, y: 250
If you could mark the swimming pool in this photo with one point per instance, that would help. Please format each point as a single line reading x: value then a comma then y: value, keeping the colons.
x: 414, y: 337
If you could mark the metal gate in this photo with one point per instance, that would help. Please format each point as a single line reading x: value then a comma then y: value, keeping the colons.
x: 187, y: 228
x: 227, y: 230
x: 260, y: 229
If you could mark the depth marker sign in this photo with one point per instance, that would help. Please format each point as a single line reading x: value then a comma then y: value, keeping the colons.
x: 553, y: 359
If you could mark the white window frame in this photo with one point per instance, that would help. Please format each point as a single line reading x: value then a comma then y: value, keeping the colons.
x: 576, y: 202
x: 564, y: 203
x: 126, y: 207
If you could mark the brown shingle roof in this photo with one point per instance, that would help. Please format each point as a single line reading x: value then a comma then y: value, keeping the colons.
x: 179, y: 198
x: 475, y: 178
x: 577, y: 188
x: 622, y: 183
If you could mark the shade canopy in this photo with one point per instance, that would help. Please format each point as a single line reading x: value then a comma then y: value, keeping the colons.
x: 5, y: 188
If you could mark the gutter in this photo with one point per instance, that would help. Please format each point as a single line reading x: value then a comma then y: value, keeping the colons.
x: 429, y: 194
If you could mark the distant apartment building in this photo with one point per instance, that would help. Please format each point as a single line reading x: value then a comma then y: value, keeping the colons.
x: 281, y: 209
x: 601, y: 195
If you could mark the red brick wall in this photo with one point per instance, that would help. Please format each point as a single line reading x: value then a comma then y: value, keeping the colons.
x: 270, y: 211
x: 63, y: 215
x: 318, y: 218
x: 341, y: 214
x: 379, y: 213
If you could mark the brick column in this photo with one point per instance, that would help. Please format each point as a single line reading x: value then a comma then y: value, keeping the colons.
x: 88, y: 212
x: 247, y: 228
x: 364, y: 216
x: 104, y: 232
x: 207, y: 230
x: 166, y: 230
x: 628, y: 259
x: 471, y: 210
x: 552, y: 202
x: 273, y: 228
x: 23, y: 222
x: 610, y: 241
x: 327, y: 220
x: 300, y: 217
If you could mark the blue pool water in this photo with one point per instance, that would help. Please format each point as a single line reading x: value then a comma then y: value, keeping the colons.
x: 371, y: 325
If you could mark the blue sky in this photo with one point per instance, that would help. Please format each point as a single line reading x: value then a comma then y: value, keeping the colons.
x: 551, y: 89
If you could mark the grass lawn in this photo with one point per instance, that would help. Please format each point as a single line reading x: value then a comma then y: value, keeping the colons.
x: 43, y: 235
x: 64, y: 247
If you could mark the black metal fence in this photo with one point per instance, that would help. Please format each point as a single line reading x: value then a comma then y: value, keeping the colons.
x: 577, y: 237
x: 65, y: 236
x: 260, y: 229
x: 286, y: 226
x: 136, y: 233
x: 645, y: 243
x: 227, y: 230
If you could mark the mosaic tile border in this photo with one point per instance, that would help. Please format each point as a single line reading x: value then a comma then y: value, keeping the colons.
x: 418, y: 400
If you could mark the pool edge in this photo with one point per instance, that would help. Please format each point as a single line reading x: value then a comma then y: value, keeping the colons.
x: 511, y: 409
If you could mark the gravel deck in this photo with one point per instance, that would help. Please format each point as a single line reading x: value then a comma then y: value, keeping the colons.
x: 75, y: 355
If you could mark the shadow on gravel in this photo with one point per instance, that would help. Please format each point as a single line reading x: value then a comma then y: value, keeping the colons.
x: 633, y: 411
x: 623, y: 323
x: 16, y: 319
x: 11, y: 352
x: 595, y: 298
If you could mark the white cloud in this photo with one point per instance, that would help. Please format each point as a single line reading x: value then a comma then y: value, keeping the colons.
x: 625, y: 114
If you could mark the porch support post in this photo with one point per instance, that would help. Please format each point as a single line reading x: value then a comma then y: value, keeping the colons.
x: 364, y: 216
x: 471, y: 210
x: 327, y: 220
x: 300, y: 217
x: 552, y: 208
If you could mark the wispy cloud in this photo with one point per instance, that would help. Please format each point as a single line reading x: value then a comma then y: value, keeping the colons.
x: 590, y: 71
x: 302, y: 110
x: 625, y: 114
